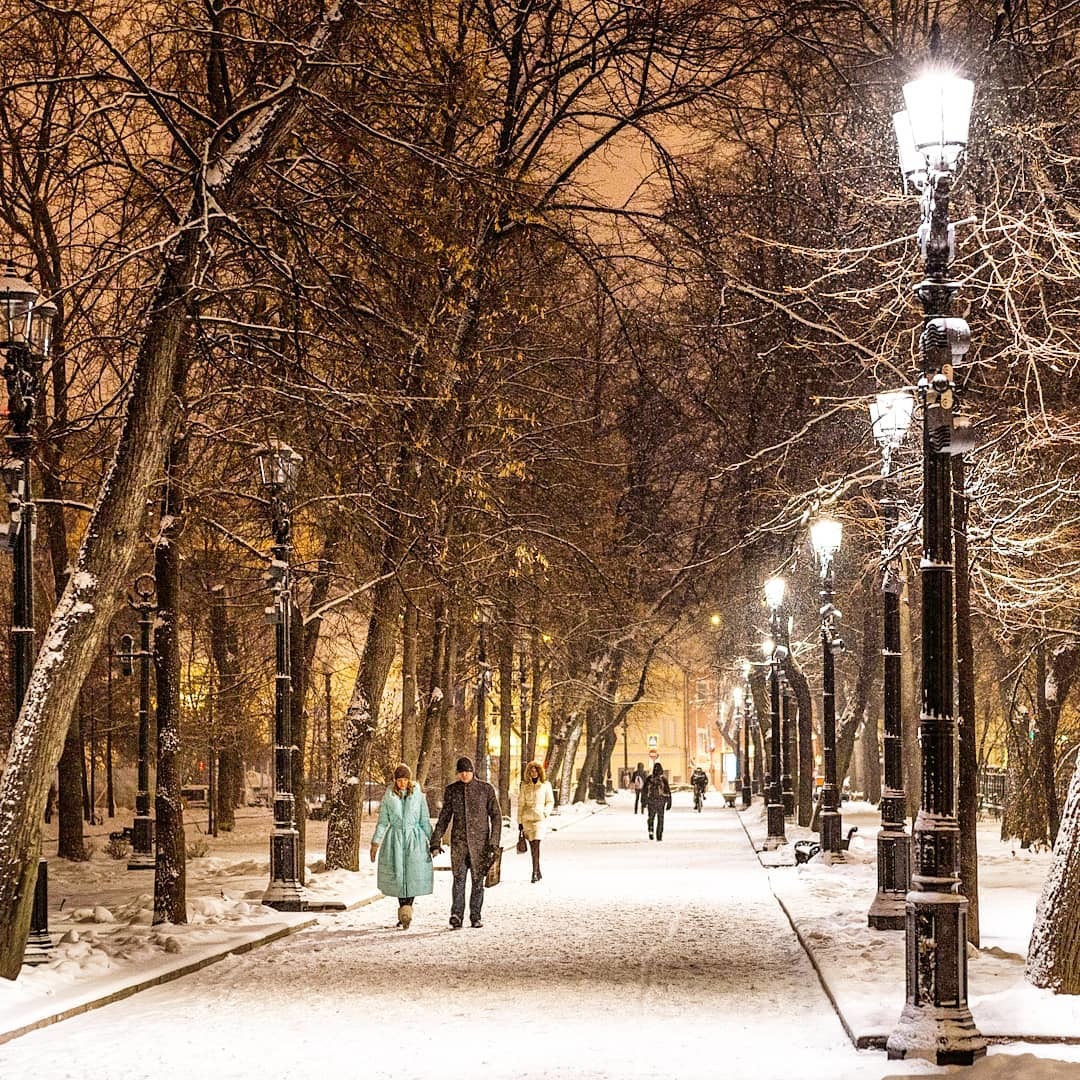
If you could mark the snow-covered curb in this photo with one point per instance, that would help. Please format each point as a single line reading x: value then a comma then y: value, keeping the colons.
x: 862, y: 970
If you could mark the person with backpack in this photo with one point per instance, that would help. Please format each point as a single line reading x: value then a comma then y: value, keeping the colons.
x: 637, y: 782
x: 656, y: 795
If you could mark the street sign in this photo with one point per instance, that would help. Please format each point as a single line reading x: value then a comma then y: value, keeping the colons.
x: 654, y: 754
x: 653, y: 741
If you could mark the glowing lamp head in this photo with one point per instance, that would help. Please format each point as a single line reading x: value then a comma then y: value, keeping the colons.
x: 17, y: 300
x: 768, y: 647
x: 939, y: 115
x: 890, y: 417
x: 714, y: 621
x: 774, y: 592
x: 737, y: 696
x: 825, y: 535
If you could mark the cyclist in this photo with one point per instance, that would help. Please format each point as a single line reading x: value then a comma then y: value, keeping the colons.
x: 699, y: 781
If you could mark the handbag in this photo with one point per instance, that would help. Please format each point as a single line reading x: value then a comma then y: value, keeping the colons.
x: 494, y: 870
x: 522, y: 844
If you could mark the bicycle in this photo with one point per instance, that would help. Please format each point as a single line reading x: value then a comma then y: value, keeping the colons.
x: 699, y: 799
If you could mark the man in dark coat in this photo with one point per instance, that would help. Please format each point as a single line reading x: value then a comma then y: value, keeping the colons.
x: 657, y: 797
x: 475, y: 838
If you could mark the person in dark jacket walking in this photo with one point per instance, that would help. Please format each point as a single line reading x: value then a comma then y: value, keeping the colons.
x: 637, y: 782
x: 473, y: 807
x: 657, y: 798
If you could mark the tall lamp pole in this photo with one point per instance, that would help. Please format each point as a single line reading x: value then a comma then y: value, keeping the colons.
x: 26, y: 342
x: 890, y: 415
x: 141, y: 599
x: 825, y: 535
x: 743, y: 703
x: 787, y: 727
x: 936, y: 1021
x: 278, y: 468
x: 774, y: 651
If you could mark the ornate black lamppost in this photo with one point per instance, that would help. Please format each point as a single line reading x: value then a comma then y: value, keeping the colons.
x: 26, y: 341
x: 787, y: 739
x: 825, y: 535
x: 141, y: 599
x: 891, y: 417
x: 936, y: 1021
x: 774, y: 804
x: 278, y: 467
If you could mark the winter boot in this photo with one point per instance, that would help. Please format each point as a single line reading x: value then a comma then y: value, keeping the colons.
x: 404, y: 915
x: 455, y: 922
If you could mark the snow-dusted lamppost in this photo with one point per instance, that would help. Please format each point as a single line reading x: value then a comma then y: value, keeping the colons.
x: 825, y: 535
x: 936, y: 1022
x: 774, y: 652
x: 278, y: 468
x: 741, y: 698
x: 890, y: 415
x: 27, y: 338
x: 141, y: 599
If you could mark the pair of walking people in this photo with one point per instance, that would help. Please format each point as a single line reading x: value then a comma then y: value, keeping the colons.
x: 405, y: 843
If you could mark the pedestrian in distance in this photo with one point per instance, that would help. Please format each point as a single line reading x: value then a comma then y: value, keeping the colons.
x: 472, y: 807
x: 637, y: 782
x: 699, y: 781
x: 657, y: 798
x: 400, y: 842
x: 536, y: 800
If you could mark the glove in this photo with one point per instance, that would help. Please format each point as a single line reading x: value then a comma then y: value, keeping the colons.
x: 435, y: 849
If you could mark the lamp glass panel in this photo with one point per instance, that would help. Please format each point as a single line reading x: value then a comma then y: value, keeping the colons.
x: 44, y: 316
x: 17, y: 297
x: 768, y: 646
x: 912, y: 162
x: 737, y: 696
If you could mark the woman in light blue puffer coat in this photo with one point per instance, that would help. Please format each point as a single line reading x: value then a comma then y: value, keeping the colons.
x: 401, y: 843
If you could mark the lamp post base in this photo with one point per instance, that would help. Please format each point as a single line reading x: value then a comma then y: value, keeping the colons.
x: 284, y: 893
x: 747, y: 797
x: 142, y: 844
x: 889, y: 909
x: 831, y: 826
x: 774, y: 815
x: 943, y: 1034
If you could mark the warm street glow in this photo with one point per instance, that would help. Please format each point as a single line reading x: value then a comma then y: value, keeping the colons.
x: 825, y: 535
x: 939, y: 111
x: 890, y: 416
x: 774, y: 591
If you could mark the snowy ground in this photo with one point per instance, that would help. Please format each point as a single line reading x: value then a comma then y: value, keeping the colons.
x: 630, y: 959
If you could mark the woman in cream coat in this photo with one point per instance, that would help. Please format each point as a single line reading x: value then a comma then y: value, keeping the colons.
x: 536, y: 800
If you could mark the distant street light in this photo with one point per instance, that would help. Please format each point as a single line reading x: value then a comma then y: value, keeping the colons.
x: 936, y: 1022
x: 890, y: 415
x: 27, y: 328
x: 775, y: 652
x: 825, y: 535
x: 279, y: 465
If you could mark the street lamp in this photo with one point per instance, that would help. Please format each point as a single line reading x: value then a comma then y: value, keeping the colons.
x: 279, y: 465
x: 825, y: 536
x: 741, y: 700
x: 775, y: 652
x: 890, y: 415
x: 141, y: 599
x: 26, y: 325
x: 936, y: 1021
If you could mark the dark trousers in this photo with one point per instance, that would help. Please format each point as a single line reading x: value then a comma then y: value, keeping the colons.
x: 656, y: 816
x: 476, y: 895
x: 637, y: 800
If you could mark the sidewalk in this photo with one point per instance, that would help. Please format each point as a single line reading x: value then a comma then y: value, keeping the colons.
x: 105, y: 948
x: 862, y: 970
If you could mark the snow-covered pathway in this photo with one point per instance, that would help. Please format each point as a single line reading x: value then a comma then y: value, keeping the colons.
x: 630, y: 959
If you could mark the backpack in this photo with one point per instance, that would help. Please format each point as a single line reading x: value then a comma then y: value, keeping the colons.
x: 639, y: 782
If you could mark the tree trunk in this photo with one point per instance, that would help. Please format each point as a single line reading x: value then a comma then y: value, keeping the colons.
x: 505, y: 645
x: 447, y: 710
x: 69, y: 793
x: 569, y: 753
x: 170, y: 866
x: 536, y: 687
x: 967, y: 802
x: 436, y: 693
x: 223, y: 649
x: 804, y: 793
x: 83, y: 613
x: 1053, y: 959
x: 410, y: 741
x: 346, y: 801
x: 870, y: 745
